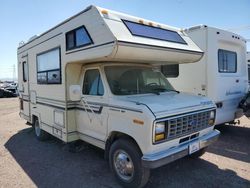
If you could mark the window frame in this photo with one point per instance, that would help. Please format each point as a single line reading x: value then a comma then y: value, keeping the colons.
x: 100, y: 78
x: 49, y: 70
x: 74, y: 36
x: 223, y: 52
x: 25, y: 76
x: 138, y: 35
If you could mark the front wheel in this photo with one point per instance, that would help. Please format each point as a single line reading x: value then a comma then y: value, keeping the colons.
x: 125, y: 162
x: 39, y: 133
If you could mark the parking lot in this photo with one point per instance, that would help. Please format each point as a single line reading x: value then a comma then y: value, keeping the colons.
x: 26, y: 162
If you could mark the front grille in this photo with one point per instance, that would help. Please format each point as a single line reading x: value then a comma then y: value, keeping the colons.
x: 186, y: 124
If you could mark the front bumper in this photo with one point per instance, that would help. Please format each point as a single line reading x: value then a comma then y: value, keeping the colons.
x: 164, y: 157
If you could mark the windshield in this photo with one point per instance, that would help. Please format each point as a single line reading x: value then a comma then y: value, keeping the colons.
x: 131, y: 80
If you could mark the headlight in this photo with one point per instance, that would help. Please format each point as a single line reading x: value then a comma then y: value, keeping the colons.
x: 159, y: 131
x: 212, y: 115
x: 211, y: 118
x: 159, y: 127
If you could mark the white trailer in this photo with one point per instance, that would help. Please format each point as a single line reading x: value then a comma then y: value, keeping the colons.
x: 93, y: 78
x: 248, y: 66
x: 221, y: 74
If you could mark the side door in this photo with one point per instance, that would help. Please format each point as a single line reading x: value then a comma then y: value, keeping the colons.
x: 23, y: 87
x: 92, y: 113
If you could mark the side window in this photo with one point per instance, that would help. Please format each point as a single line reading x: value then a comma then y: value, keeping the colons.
x: 227, y: 61
x: 77, y: 38
x: 25, y: 71
x: 49, y: 67
x: 92, y: 84
x: 170, y: 71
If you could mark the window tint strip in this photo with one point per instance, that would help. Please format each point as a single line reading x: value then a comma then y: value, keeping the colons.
x: 142, y: 30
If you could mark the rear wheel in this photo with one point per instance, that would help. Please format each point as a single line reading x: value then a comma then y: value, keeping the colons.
x: 125, y: 162
x: 39, y: 133
x: 199, y: 153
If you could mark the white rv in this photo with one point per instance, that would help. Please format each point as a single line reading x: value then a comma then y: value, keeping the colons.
x: 248, y: 66
x: 221, y: 74
x: 93, y: 78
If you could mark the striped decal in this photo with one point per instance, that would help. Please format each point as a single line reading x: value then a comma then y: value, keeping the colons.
x: 71, y: 105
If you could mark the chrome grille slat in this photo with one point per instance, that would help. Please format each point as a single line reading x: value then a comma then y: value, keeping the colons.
x: 186, y: 124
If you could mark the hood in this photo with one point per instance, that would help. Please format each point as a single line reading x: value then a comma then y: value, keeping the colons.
x: 171, y: 103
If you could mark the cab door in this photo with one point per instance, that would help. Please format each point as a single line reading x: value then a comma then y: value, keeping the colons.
x: 92, y: 112
x: 23, y: 87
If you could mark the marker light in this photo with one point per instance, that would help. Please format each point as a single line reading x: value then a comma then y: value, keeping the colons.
x: 141, y: 21
x: 104, y: 12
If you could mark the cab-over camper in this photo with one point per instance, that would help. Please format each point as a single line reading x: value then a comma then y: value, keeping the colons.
x: 93, y: 77
x: 248, y: 66
x: 221, y: 74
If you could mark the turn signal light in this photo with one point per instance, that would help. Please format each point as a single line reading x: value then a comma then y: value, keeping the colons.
x: 211, y: 122
x: 159, y: 137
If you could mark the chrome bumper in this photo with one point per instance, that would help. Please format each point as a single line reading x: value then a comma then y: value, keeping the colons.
x: 164, y: 157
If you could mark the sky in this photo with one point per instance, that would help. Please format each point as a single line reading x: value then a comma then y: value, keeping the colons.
x: 22, y: 19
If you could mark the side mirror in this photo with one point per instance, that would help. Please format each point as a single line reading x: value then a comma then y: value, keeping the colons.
x: 75, y: 92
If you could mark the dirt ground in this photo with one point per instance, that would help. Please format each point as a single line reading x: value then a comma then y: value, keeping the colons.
x: 26, y: 162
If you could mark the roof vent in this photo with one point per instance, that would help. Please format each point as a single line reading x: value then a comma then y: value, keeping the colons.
x: 21, y: 43
x: 33, y: 38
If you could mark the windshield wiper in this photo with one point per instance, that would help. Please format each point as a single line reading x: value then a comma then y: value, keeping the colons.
x: 163, y: 89
x: 173, y: 90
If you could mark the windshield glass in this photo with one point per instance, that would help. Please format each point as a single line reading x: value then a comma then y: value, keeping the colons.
x: 131, y: 80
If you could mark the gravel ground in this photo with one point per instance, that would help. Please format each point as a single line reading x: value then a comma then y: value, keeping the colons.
x: 26, y: 162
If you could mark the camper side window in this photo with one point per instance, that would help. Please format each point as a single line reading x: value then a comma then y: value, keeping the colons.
x: 170, y: 71
x: 25, y: 71
x: 77, y: 38
x: 49, y: 67
x: 227, y: 61
x: 92, y: 84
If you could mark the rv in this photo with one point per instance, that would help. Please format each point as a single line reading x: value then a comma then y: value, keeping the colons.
x: 94, y: 78
x: 221, y: 74
x: 248, y: 66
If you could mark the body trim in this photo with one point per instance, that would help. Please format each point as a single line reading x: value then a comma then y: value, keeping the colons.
x: 164, y: 157
x: 161, y: 47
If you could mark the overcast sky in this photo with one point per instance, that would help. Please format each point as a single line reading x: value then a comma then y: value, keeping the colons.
x: 22, y: 19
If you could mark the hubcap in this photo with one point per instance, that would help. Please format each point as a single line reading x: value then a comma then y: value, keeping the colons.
x: 123, y: 165
x: 37, y: 128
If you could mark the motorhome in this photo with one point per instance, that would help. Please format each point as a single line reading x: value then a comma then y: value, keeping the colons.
x: 221, y: 74
x: 248, y: 66
x: 94, y: 78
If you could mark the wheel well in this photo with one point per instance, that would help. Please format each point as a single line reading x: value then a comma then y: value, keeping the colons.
x: 115, y: 136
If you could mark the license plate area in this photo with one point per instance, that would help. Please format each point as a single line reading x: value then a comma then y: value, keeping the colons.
x: 193, y: 147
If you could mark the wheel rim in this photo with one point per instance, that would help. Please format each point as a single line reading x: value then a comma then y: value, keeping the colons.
x: 37, y: 129
x: 123, y: 164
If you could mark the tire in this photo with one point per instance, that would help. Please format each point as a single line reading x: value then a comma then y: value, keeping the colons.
x: 39, y: 133
x: 125, y: 153
x: 198, y: 154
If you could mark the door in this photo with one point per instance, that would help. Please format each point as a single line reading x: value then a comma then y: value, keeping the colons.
x: 23, y: 86
x: 92, y: 114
